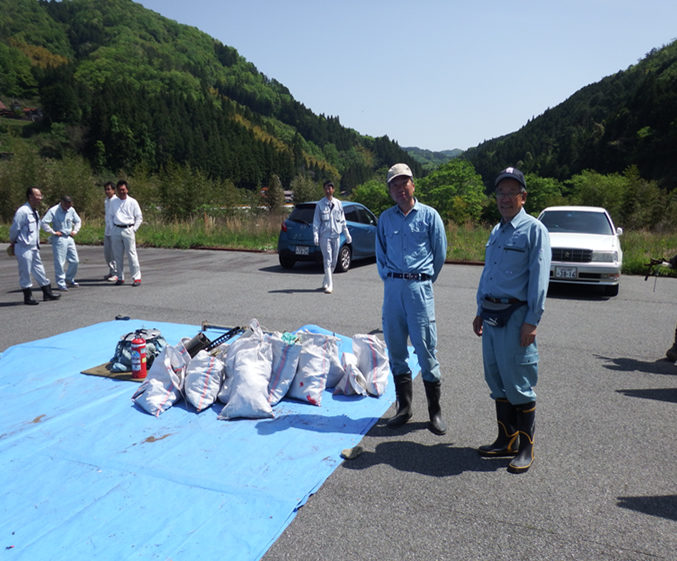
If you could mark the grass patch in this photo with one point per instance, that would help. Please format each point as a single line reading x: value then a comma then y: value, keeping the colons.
x: 259, y: 231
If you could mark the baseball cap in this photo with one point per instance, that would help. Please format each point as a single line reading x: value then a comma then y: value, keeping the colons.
x: 397, y: 170
x: 511, y: 173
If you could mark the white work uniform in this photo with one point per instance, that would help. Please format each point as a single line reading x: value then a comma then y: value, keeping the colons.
x: 24, y: 233
x: 328, y: 223
x: 68, y: 223
x: 127, y: 218
x: 108, y: 254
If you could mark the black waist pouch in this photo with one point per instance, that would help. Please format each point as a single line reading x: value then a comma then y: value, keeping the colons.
x: 497, y: 315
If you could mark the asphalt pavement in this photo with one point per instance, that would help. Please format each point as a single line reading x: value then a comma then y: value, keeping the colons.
x: 603, y: 485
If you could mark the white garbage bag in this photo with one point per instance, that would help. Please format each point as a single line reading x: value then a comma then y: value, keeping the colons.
x: 372, y: 360
x: 204, y: 376
x: 249, y: 365
x: 164, y: 382
x: 318, y: 359
x: 286, y: 353
x: 353, y: 382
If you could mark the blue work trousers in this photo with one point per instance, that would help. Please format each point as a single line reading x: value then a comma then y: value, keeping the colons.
x: 511, y: 371
x: 63, y: 249
x: 409, y: 311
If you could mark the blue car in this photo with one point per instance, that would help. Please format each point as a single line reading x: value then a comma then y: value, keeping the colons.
x: 296, y: 236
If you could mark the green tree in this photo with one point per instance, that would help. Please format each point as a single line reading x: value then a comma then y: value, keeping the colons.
x: 305, y: 189
x: 593, y: 189
x: 455, y: 190
x: 275, y: 194
x: 542, y: 192
x: 374, y: 195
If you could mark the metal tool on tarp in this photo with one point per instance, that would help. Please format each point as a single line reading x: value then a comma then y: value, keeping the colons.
x: 221, y: 339
x: 201, y: 342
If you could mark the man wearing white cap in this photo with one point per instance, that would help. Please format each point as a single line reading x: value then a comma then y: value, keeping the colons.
x: 411, y: 247
x: 510, y: 302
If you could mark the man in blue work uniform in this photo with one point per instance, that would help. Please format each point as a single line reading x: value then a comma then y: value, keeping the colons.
x: 510, y: 303
x: 411, y: 247
x: 24, y: 237
x: 62, y: 222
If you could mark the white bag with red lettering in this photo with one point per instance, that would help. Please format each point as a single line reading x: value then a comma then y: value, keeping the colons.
x: 203, y: 379
x: 317, y: 361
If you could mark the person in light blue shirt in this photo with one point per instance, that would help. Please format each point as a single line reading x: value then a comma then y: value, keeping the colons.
x: 24, y: 237
x: 510, y: 303
x: 62, y: 222
x: 328, y: 223
x: 411, y: 247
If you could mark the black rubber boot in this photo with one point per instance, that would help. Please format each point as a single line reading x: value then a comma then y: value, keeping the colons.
x: 508, y: 438
x: 47, y: 293
x: 404, y: 391
x: 671, y: 353
x: 526, y: 416
x: 433, y: 393
x: 28, y: 297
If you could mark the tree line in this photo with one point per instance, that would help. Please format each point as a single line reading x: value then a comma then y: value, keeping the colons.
x: 123, y: 87
x: 627, y: 119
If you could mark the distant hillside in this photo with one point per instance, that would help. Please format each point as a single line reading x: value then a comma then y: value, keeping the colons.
x: 127, y: 87
x: 431, y: 160
x: 626, y: 119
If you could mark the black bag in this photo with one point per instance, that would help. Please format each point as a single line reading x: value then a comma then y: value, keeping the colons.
x: 497, y: 315
x: 122, y: 361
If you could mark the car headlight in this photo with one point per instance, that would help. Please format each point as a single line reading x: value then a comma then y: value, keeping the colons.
x: 604, y: 256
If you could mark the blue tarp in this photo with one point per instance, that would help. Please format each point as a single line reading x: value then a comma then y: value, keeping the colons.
x: 85, y: 474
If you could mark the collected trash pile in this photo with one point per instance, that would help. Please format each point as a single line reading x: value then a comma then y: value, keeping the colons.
x: 251, y: 374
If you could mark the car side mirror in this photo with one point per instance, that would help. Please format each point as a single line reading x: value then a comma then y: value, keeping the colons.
x: 619, y: 231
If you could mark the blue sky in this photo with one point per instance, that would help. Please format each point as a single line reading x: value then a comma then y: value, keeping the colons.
x: 437, y: 74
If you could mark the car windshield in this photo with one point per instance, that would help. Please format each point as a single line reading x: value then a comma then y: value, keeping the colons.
x: 577, y: 222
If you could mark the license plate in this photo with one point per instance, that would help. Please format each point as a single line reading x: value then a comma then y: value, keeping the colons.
x: 302, y: 250
x: 565, y: 272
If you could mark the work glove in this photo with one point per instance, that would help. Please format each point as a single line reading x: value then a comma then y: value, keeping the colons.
x: 349, y: 238
x: 316, y: 240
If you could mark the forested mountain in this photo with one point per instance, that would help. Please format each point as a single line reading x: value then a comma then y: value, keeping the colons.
x: 127, y: 87
x: 626, y: 119
x: 431, y: 160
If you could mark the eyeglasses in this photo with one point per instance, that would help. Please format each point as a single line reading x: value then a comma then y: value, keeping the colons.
x: 500, y: 195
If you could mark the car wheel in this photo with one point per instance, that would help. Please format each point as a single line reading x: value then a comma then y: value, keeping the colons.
x: 344, y: 259
x: 611, y: 290
x: 287, y: 262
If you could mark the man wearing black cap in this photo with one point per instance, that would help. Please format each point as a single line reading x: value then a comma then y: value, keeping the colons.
x: 411, y: 247
x: 510, y: 303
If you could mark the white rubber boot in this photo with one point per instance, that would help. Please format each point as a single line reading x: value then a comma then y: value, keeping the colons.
x: 329, y: 287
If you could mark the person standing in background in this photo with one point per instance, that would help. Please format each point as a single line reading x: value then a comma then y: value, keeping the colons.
x: 127, y: 218
x: 328, y: 223
x: 62, y: 222
x: 109, y: 190
x: 24, y: 237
